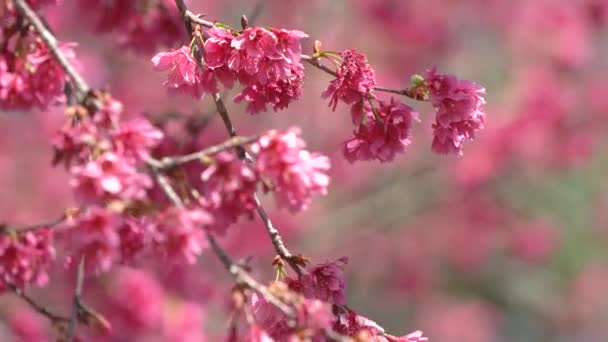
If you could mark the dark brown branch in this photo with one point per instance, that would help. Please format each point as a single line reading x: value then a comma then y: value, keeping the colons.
x: 77, y: 301
x: 243, y: 278
x: 33, y: 227
x: 240, y: 275
x: 53, y: 317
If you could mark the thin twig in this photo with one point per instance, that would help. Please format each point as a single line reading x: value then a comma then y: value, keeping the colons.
x: 51, y: 42
x: 243, y: 278
x: 170, y: 162
x: 77, y: 302
x: 53, y: 317
x: 34, y: 227
x: 276, y: 239
x: 240, y: 275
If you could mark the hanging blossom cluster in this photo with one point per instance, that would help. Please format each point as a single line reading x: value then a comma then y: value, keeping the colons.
x: 265, y: 61
x: 383, y: 129
x: 26, y: 257
x: 459, y: 113
x: 30, y: 77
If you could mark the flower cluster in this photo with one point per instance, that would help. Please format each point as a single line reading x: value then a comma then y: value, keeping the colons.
x: 265, y: 61
x: 459, y: 114
x: 383, y: 129
x: 105, y: 155
x: 29, y: 76
x: 25, y: 257
x: 228, y: 189
x: 294, y: 173
x: 383, y: 132
x: 355, y: 80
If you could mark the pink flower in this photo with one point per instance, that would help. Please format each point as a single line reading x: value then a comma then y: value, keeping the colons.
x: 35, y: 80
x: 295, y: 173
x: 228, y: 189
x: 180, y: 235
x: 93, y: 234
x: 135, y: 302
x: 184, y: 72
x: 355, y: 80
x: 136, y: 237
x: 459, y: 113
x: 266, y: 61
x: 72, y: 143
x: 108, y: 116
x: 279, y: 94
x: 26, y: 256
x: 265, y: 56
x: 108, y: 177
x: 380, y: 140
x: 136, y: 138
x: 325, y: 282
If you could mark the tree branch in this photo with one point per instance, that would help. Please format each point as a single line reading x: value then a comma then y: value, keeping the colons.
x: 170, y: 162
x: 77, y: 302
x: 53, y: 317
x: 33, y: 227
x: 240, y: 275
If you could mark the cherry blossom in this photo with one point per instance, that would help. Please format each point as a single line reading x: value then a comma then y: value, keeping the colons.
x: 459, y: 113
x: 295, y: 173
x: 26, y: 256
x: 380, y: 135
x: 355, y: 80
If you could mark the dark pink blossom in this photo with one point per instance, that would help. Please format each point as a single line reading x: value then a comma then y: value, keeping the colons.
x: 136, y: 238
x: 108, y: 116
x: 26, y: 256
x: 228, y: 189
x: 108, y: 177
x: 36, y: 80
x: 93, y: 234
x: 355, y: 80
x: 325, y: 282
x: 381, y: 136
x: 278, y: 94
x: 295, y: 174
x: 136, y: 138
x: 72, y: 144
x: 135, y: 302
x: 184, y: 72
x: 179, y: 233
x: 459, y: 114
